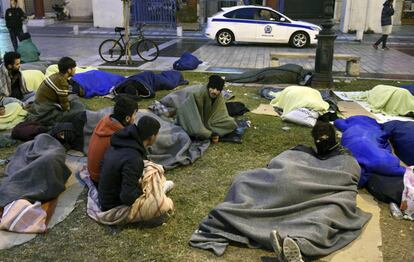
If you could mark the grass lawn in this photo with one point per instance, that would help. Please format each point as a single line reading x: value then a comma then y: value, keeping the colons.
x: 198, y: 189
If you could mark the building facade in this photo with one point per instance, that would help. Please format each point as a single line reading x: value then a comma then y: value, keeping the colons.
x: 353, y: 15
x: 77, y: 8
x: 365, y: 15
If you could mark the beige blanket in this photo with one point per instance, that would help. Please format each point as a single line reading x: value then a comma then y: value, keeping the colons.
x: 151, y: 204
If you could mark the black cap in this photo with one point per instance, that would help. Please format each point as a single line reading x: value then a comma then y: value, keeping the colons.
x: 215, y: 82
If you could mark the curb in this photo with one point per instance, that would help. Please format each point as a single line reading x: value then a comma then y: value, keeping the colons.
x: 104, y: 36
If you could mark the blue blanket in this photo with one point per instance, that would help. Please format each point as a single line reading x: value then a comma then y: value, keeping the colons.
x: 401, y: 136
x: 409, y: 88
x: 187, y: 61
x: 97, y: 83
x: 147, y: 83
x: 364, y: 137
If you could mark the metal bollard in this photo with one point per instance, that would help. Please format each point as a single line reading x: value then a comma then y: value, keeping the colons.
x: 76, y: 30
x: 179, y: 31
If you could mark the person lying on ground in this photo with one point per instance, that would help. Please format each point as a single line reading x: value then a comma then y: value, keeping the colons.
x: 125, y: 111
x: 53, y: 102
x: 27, y: 49
x: 260, y: 205
x: 12, y: 85
x: 201, y: 110
x: 324, y: 138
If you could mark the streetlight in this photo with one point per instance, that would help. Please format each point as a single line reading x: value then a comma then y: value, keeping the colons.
x: 325, y: 49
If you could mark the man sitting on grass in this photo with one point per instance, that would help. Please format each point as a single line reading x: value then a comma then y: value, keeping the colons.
x: 12, y: 85
x: 123, y: 177
x: 53, y: 102
x: 201, y: 110
x: 125, y: 111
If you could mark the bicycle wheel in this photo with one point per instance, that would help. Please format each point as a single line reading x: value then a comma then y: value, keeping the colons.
x: 147, y: 50
x: 111, y: 51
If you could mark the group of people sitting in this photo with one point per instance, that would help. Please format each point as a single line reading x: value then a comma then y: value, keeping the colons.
x: 118, y: 146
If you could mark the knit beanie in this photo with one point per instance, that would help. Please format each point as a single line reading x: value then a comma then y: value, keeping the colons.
x: 68, y: 132
x: 324, y: 137
x: 147, y: 126
x: 215, y: 82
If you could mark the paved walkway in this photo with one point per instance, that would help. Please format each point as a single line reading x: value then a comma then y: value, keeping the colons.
x: 391, y: 63
x: 5, y: 42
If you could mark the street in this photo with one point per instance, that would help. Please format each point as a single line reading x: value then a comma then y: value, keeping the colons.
x: 58, y: 40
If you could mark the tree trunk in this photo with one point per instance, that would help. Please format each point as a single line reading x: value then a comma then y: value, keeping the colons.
x: 127, y: 15
x: 39, y: 9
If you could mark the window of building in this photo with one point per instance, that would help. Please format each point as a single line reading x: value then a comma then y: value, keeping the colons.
x: 226, y: 3
x: 407, y: 16
x: 254, y: 2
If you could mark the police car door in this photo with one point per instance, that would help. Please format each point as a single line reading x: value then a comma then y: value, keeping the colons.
x: 269, y: 27
x: 244, y: 24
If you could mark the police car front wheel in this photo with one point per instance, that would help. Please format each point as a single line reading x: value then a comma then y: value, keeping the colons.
x: 299, y: 40
x: 225, y: 37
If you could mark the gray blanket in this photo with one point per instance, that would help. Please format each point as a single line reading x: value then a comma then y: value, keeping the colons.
x: 311, y: 200
x: 48, y: 113
x: 172, y: 148
x: 285, y: 74
x: 39, y: 65
x: 36, y: 172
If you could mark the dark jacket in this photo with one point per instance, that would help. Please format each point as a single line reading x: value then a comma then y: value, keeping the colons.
x: 14, y: 18
x: 387, y: 12
x: 122, y: 167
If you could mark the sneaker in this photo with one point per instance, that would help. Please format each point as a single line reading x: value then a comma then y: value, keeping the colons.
x: 386, y: 48
x: 276, y: 242
x: 375, y: 46
x: 168, y: 186
x: 291, y: 250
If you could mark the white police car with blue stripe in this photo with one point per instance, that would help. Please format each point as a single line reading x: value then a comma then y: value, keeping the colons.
x: 259, y: 24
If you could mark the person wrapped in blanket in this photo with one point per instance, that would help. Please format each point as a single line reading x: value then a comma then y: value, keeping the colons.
x: 12, y: 84
x: 261, y: 211
x: 125, y: 113
x: 201, y: 110
x: 123, y: 166
x: 324, y: 137
x: 53, y: 101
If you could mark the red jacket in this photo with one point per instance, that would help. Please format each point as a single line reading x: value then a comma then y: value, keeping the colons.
x: 99, y: 143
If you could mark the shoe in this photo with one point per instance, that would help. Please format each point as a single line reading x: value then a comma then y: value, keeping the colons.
x: 375, y: 46
x: 168, y: 186
x: 291, y: 250
x: 276, y: 242
x: 386, y: 48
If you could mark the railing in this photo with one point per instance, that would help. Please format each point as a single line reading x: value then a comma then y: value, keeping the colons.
x: 154, y: 12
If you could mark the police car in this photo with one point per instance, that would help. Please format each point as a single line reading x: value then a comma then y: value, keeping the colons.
x: 259, y: 24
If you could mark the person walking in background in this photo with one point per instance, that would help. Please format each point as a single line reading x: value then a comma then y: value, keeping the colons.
x: 14, y: 22
x: 386, y: 23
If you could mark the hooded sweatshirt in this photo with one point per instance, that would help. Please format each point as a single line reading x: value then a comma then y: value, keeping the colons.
x: 99, y: 143
x: 123, y: 166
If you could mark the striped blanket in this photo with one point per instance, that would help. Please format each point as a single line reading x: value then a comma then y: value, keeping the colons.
x: 152, y: 204
x: 24, y: 217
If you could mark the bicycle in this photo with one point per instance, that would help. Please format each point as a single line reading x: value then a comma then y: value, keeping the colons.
x: 112, y: 50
